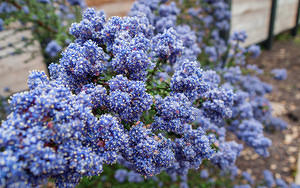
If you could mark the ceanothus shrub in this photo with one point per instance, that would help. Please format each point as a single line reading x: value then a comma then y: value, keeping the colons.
x: 103, y: 105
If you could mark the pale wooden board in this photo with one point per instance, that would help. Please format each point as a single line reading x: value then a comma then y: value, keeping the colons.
x: 285, y: 15
x: 13, y: 71
x: 112, y: 7
x: 253, y: 17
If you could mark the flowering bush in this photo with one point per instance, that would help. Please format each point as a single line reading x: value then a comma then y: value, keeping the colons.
x: 131, y: 91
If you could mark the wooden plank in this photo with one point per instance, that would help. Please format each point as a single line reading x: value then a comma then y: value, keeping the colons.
x: 286, y: 15
x: 112, y: 7
x: 13, y: 71
x: 252, y: 16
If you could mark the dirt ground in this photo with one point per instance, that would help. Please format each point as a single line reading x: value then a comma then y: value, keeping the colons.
x: 285, y: 100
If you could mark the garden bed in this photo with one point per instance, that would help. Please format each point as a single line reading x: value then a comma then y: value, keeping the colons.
x: 286, y: 104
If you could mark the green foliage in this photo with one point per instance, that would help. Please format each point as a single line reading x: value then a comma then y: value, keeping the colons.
x: 107, y: 180
x: 46, y: 22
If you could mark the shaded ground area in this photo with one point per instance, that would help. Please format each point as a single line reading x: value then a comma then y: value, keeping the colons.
x: 285, y: 100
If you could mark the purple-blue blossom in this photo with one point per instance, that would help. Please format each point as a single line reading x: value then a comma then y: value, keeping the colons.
x: 121, y: 175
x: 204, y: 174
x: 248, y: 177
x: 268, y: 178
x: 1, y: 24
x: 53, y: 48
x: 279, y: 74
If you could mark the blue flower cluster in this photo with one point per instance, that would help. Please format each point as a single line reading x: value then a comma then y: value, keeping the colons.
x: 204, y: 32
x: 53, y: 48
x: 128, y: 99
x: 99, y: 106
x: 6, y: 8
x: 188, y: 80
x: 167, y: 45
x: 1, y: 24
x: 251, y: 131
x: 104, y: 104
x: 279, y: 74
x: 46, y: 135
x: 228, y: 153
x: 121, y: 175
x: 173, y: 113
x: 148, y: 153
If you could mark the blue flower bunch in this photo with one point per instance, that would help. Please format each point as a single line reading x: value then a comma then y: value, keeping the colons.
x: 203, y: 32
x: 279, y: 74
x: 270, y: 181
x: 122, y: 175
x: 103, y: 105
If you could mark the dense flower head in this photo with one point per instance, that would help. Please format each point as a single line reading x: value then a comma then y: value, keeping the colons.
x: 251, y: 131
x: 94, y: 26
x: 211, y: 77
x: 218, y: 104
x: 239, y: 36
x: 187, y: 79
x: 189, y: 38
x: 255, y: 86
x: 248, y: 177
x: 190, y: 150
x: 279, y: 74
x: 121, y: 175
x: 147, y: 152
x: 131, y: 56
x: 166, y: 13
x: 254, y: 51
x: 167, y: 46
x: 261, y: 109
x: 46, y: 133
x: 242, y: 108
x: 134, y: 177
x: 142, y: 9
x: 97, y: 94
x: 276, y: 123
x: 128, y: 99
x: 1, y: 24
x: 254, y: 68
x: 227, y: 154
x: 204, y: 174
x: 166, y: 10
x: 269, y: 179
x: 76, y: 2
x: 53, y: 48
x: 173, y: 112
x: 233, y: 75
x: 6, y: 8
x: 90, y: 26
x: 79, y: 65
x: 281, y: 183
x: 109, y: 136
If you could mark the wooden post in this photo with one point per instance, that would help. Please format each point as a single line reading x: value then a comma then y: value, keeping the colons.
x: 295, y: 29
x: 269, y: 41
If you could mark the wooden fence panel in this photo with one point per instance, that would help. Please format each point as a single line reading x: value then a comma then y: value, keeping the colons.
x: 13, y: 71
x: 286, y: 15
x: 112, y: 7
x: 252, y: 16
